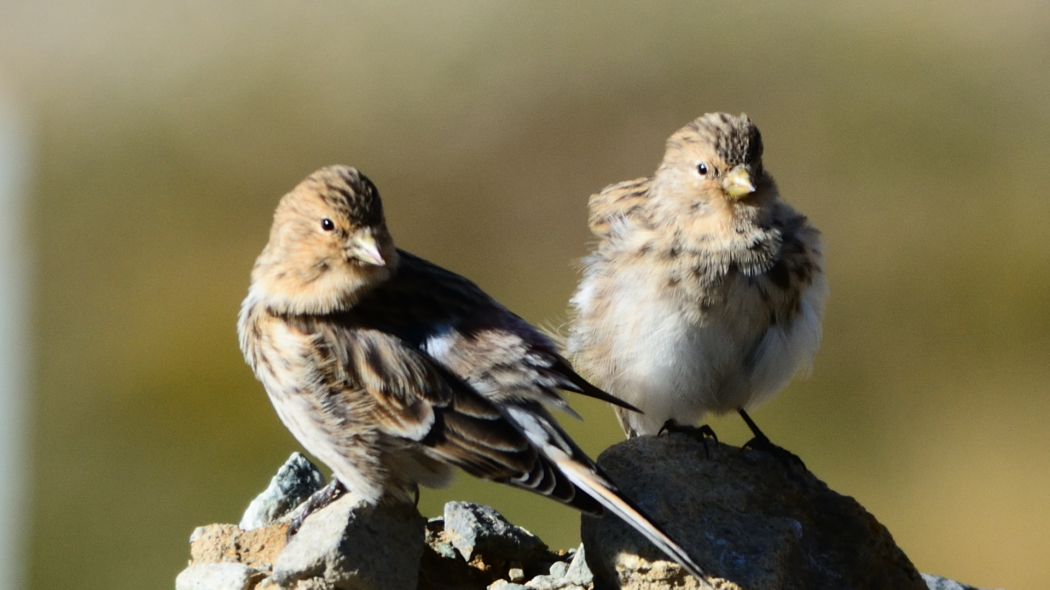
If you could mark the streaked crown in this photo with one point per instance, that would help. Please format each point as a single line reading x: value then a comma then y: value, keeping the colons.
x: 736, y: 139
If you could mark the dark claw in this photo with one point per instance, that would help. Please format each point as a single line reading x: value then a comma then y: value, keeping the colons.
x: 702, y: 433
x: 318, y: 500
x: 762, y: 443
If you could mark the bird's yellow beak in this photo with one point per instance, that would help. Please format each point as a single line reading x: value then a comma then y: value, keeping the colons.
x: 365, y: 248
x: 737, y: 184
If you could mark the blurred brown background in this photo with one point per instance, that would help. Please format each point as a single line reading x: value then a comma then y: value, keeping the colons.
x: 916, y: 137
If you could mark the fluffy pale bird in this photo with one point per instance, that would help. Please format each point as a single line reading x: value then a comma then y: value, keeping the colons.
x: 706, y: 291
x: 392, y: 370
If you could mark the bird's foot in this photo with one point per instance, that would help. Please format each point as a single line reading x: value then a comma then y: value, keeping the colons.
x: 786, y: 457
x: 318, y: 500
x: 702, y: 434
x: 762, y: 443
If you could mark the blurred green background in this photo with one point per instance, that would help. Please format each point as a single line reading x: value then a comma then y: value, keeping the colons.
x: 915, y: 135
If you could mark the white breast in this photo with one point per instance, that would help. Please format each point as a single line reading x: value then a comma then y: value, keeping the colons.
x: 672, y: 360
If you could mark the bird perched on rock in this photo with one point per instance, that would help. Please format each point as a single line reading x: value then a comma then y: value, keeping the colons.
x: 392, y: 370
x: 705, y: 292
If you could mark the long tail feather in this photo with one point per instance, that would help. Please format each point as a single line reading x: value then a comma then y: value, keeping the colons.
x: 604, y: 492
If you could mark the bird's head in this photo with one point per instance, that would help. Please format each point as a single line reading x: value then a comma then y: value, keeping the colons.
x: 714, y: 160
x: 328, y: 246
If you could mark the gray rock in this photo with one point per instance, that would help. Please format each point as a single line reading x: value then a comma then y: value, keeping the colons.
x: 310, y: 584
x: 505, y: 585
x: 558, y: 569
x: 353, y: 545
x: 578, y: 573
x: 216, y: 576
x: 197, y: 532
x: 436, y: 539
x: 473, y: 528
x: 544, y: 583
x: 295, y: 481
x: 749, y: 519
x: 939, y: 583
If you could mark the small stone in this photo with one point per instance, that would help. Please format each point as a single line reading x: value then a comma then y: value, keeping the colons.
x: 196, y: 534
x: 558, y: 569
x: 219, y: 543
x: 939, y: 583
x: 295, y: 481
x: 216, y: 576
x: 435, y: 538
x: 312, y: 584
x: 473, y: 529
x: 505, y: 585
x: 543, y: 583
x: 578, y: 572
x: 215, y: 543
x: 352, y: 544
x: 516, y: 574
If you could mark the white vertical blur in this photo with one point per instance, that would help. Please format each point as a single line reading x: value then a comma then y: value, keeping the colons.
x: 14, y: 346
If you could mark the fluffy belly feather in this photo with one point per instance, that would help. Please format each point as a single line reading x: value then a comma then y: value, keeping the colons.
x: 677, y: 366
x: 676, y: 361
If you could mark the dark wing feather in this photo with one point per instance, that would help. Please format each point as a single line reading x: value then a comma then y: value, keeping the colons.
x: 472, y: 336
x: 418, y: 402
x: 569, y: 380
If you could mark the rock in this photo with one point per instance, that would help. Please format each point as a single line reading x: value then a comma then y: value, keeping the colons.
x: 479, y: 549
x: 638, y: 573
x: 749, y: 519
x: 505, y: 585
x: 443, y: 568
x: 216, y: 576
x: 438, y: 541
x: 939, y: 583
x: 227, y: 543
x: 295, y: 481
x: 578, y: 573
x: 476, y: 529
x: 545, y: 583
x: 473, y: 547
x: 351, y: 544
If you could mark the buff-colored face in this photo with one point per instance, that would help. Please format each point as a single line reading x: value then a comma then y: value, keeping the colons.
x: 718, y: 157
x: 328, y: 245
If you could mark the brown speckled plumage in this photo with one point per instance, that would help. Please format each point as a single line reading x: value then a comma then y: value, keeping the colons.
x: 705, y: 292
x: 392, y: 370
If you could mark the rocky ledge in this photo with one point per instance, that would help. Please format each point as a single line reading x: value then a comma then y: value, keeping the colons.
x: 752, y: 520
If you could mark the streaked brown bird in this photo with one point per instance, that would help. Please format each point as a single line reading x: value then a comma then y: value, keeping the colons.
x: 706, y: 292
x: 392, y: 370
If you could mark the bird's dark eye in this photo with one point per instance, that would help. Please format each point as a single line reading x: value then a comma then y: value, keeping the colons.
x: 327, y: 225
x: 702, y: 168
